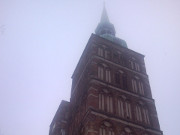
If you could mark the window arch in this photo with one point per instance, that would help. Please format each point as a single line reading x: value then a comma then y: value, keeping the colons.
x: 108, y: 75
x: 104, y: 72
x: 146, y: 115
x: 106, y: 129
x: 106, y: 102
x: 138, y: 113
x: 124, y: 108
x: 134, y: 64
x: 142, y: 114
x: 137, y: 85
x: 121, y: 107
x: 100, y: 72
x: 101, y: 51
x: 121, y: 79
x: 107, y: 54
x: 128, y: 109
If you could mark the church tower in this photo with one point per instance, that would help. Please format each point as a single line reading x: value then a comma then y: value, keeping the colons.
x: 110, y: 92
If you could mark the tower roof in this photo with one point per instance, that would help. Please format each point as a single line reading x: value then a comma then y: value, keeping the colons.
x: 104, y: 16
x: 106, y: 29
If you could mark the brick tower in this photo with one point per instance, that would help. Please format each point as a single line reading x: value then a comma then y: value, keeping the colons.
x: 110, y: 92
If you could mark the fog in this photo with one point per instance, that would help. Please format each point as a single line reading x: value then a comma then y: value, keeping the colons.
x: 41, y: 42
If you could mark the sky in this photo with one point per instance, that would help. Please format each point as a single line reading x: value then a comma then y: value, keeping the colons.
x: 41, y: 42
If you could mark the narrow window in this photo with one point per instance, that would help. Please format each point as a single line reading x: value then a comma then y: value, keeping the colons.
x: 121, y: 59
x: 134, y: 85
x: 111, y: 132
x: 115, y: 57
x: 62, y: 132
x: 100, y: 51
x: 137, y: 66
x: 141, y: 88
x: 101, y: 102
x: 131, y: 64
x: 117, y: 78
x: 124, y: 80
x: 100, y: 72
x: 107, y: 54
x: 120, y: 108
x: 102, y: 131
x: 128, y: 110
x: 146, y: 116
x: 108, y: 75
x: 109, y: 104
x: 138, y: 113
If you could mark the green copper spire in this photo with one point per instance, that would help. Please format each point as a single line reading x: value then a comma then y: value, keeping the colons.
x: 104, y: 17
x: 105, y: 27
x: 106, y: 30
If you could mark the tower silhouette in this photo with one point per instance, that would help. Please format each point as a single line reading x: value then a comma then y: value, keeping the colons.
x: 110, y: 92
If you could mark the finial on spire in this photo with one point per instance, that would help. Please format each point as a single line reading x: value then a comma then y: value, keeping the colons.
x: 106, y: 30
x: 104, y: 17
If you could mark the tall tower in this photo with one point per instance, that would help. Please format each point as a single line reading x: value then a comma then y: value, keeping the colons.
x: 110, y: 92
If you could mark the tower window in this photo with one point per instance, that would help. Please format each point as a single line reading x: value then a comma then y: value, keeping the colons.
x: 102, y: 131
x: 106, y: 129
x: 134, y: 85
x: 107, y: 54
x: 146, y: 116
x: 120, y: 108
x: 109, y: 101
x: 101, y: 101
x: 100, y: 51
x: 100, y: 72
x: 137, y: 86
x: 128, y: 110
x: 124, y: 81
x: 138, y: 113
x: 141, y: 88
x: 134, y: 65
x: 108, y: 75
x: 106, y: 102
x: 121, y: 79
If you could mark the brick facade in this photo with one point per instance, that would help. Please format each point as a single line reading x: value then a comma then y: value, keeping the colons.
x: 110, y: 94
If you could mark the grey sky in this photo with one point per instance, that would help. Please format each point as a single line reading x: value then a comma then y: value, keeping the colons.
x: 43, y: 41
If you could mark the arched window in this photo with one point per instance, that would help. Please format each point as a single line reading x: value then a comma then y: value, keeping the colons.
x: 120, y: 107
x: 106, y: 129
x: 104, y: 73
x: 101, y: 72
x: 101, y: 101
x: 102, y: 131
x: 124, y: 81
x: 121, y: 79
x: 100, y: 51
x: 134, y: 85
x: 146, y: 115
x: 109, y: 101
x: 134, y: 64
x: 128, y: 110
x: 107, y: 54
x: 106, y: 102
x: 137, y: 85
x: 62, y: 132
x: 142, y: 114
x: 138, y: 113
x: 108, y: 75
x: 141, y: 88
